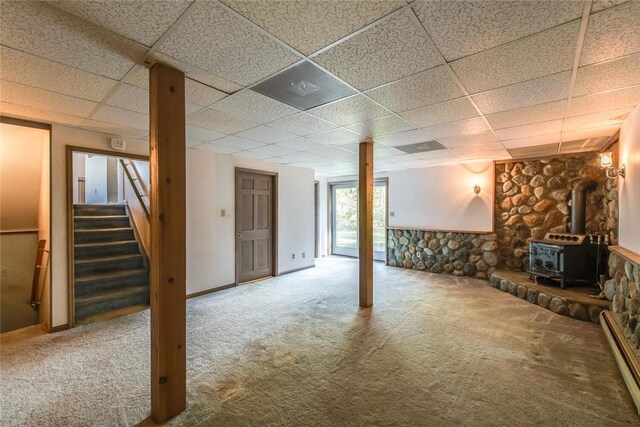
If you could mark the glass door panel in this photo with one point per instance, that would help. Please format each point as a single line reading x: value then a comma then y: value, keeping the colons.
x: 379, y: 220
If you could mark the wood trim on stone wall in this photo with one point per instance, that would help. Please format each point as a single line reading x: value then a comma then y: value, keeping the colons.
x: 625, y: 253
x: 435, y: 230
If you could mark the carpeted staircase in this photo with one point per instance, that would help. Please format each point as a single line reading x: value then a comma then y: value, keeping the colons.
x: 111, y: 272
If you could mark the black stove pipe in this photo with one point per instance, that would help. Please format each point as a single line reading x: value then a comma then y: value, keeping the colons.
x: 579, y: 190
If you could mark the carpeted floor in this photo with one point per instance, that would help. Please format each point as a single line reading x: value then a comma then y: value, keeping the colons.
x: 296, y: 350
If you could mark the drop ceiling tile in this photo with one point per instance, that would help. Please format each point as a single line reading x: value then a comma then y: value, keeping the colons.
x: 608, y: 75
x: 210, y: 32
x: 28, y: 113
x: 311, y: 25
x: 208, y: 146
x: 335, y: 137
x: 199, y: 94
x: 265, y: 134
x: 272, y: 151
x: 192, y: 143
x: 110, y: 128
x: 45, y: 31
x: 139, y: 20
x: 302, y: 124
x: 252, y: 106
x: 520, y: 95
x: 387, y: 153
x: 462, y: 28
x: 602, y: 119
x: 482, y: 138
x: 527, y: 115
x: 535, y: 129
x: 14, y: 93
x: 599, y: 5
x: 589, y: 133
x: 299, y: 157
x: 425, y: 88
x: 532, y: 141
x: 612, y: 33
x: 405, y: 138
x: 448, y: 111
x: 219, y: 122
x: 347, y: 111
x: 582, y: 145
x: 42, y: 73
x: 539, y: 55
x: 299, y: 144
x: 202, y: 134
x: 536, y: 151
x: 604, y: 101
x: 122, y: 117
x: 380, y: 127
x: 390, y: 50
x: 130, y: 98
x: 237, y: 143
x: 485, y: 150
x: 190, y: 108
x: 462, y: 127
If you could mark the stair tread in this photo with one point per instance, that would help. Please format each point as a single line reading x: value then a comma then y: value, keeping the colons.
x: 107, y: 258
x: 108, y: 205
x: 111, y: 294
x: 105, y: 244
x: 120, y: 274
x: 101, y: 230
x: 101, y: 216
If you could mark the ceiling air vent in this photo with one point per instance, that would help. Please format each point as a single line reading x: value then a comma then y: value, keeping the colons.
x: 421, y: 147
x: 304, y: 86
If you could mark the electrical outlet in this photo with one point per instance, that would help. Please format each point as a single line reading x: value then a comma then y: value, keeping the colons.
x: 293, y: 256
x: 223, y: 213
x: 303, y: 255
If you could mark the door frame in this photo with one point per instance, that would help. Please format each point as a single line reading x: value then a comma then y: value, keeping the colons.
x: 330, y: 236
x: 274, y: 220
x: 316, y: 218
x: 70, y: 149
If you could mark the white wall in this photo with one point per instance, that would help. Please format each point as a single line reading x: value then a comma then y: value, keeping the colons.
x: 629, y: 197
x: 44, y: 229
x: 211, y: 237
x: 95, y: 180
x: 323, y: 237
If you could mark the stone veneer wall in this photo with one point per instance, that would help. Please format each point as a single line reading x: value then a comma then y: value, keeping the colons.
x: 624, y: 292
x: 532, y: 199
x: 461, y: 254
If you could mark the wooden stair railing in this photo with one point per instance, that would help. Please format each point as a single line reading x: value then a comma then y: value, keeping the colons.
x: 39, y: 271
x: 138, y: 185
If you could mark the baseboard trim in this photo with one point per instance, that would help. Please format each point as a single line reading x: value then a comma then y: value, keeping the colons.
x: 297, y: 269
x: 59, y: 328
x: 625, y: 358
x: 210, y: 291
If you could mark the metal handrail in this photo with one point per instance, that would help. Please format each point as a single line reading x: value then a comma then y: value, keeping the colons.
x: 38, y: 272
x: 132, y: 181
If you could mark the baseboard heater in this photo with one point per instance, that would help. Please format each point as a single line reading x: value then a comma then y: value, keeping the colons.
x: 626, y: 358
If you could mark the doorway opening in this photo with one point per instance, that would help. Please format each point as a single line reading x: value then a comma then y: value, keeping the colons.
x: 109, y: 239
x: 25, y: 221
x: 256, y: 224
x: 344, y: 219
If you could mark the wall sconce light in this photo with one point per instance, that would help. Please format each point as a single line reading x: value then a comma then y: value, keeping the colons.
x: 476, y: 189
x: 606, y: 163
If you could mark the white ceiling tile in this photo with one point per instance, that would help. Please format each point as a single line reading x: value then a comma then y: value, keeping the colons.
x: 405, y: 138
x: 380, y: 127
x: 130, y: 98
x: 390, y: 50
x: 461, y: 28
x: 237, y: 143
x: 534, y: 151
x: 15, y: 93
x: 28, y: 113
x: 541, y: 54
x: 601, y: 119
x: 311, y: 25
x: 582, y: 145
x: 486, y: 150
x: 461, y: 127
x: 302, y: 124
x: 437, y: 154
x: 527, y: 115
x: 386, y: 153
x: 612, y: 33
x: 190, y: 108
x: 535, y: 129
x: 192, y: 143
x: 448, y: 111
x: 252, y: 106
x: 202, y: 134
x: 599, y: 5
x: 217, y: 121
x: 265, y: 134
x: 215, y: 40
x: 608, y: 75
x: 299, y: 144
x: 122, y: 117
x: 532, y: 92
x: 110, y: 128
x: 42, y: 73
x: 209, y: 146
x: 139, y: 20
x: 300, y: 156
x: 199, y: 94
x: 605, y: 101
x: 272, y: 151
x: 138, y: 76
x: 589, y: 133
x: 482, y: 138
x: 532, y: 141
x: 335, y: 137
x: 347, y: 111
x: 45, y: 31
x: 425, y: 88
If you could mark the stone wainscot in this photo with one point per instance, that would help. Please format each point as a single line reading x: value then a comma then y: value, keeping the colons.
x: 461, y: 254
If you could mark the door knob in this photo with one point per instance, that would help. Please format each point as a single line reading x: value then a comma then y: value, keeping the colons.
x: 239, y: 235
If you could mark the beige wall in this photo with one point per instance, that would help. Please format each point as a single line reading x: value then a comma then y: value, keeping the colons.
x: 44, y: 225
x: 629, y: 187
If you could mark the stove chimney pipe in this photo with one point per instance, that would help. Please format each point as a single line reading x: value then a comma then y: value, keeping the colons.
x: 579, y: 191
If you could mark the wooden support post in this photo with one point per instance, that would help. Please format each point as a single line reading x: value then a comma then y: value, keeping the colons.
x: 168, y: 242
x: 365, y: 222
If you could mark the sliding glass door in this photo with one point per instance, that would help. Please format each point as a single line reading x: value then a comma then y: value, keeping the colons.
x: 344, y: 216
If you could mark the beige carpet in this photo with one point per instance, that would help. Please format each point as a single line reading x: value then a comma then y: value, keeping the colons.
x: 296, y: 350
